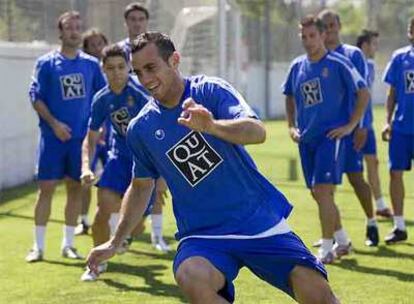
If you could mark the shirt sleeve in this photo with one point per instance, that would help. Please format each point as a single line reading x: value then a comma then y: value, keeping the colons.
x: 38, y: 83
x: 99, y: 79
x: 229, y: 103
x: 98, y: 113
x: 360, y: 64
x: 287, y: 86
x: 390, y: 72
x: 143, y: 166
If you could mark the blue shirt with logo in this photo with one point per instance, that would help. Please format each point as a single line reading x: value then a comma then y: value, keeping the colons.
x: 321, y: 91
x: 399, y: 74
x: 215, y: 185
x: 355, y: 55
x: 67, y: 87
x: 119, y: 109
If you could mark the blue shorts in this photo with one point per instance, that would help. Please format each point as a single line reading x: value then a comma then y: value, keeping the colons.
x: 353, y: 158
x: 370, y: 147
x: 117, y: 175
x: 101, y: 154
x: 322, y: 161
x: 401, y: 151
x: 57, y: 159
x: 271, y: 259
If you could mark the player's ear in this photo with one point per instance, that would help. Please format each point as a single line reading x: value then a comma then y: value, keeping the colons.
x: 174, y: 60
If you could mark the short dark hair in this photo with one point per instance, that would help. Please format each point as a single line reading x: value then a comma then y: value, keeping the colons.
x: 114, y: 50
x: 67, y: 15
x: 328, y: 12
x: 365, y: 37
x: 135, y: 6
x: 91, y: 33
x: 311, y: 20
x: 162, y: 41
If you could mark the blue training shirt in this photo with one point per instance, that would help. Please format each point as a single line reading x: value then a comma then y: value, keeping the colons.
x: 321, y: 90
x: 119, y: 109
x: 369, y: 117
x: 67, y: 87
x: 215, y: 185
x: 355, y: 55
x: 399, y: 74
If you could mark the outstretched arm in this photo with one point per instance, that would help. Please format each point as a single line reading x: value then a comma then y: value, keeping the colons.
x: 133, y: 207
x: 241, y: 131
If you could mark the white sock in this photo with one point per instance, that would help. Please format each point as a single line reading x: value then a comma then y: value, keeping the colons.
x: 68, y: 235
x: 156, y: 225
x: 113, y: 223
x: 84, y: 219
x: 326, y: 247
x: 381, y: 203
x: 399, y: 222
x: 371, y: 222
x: 341, y: 237
x: 39, y: 237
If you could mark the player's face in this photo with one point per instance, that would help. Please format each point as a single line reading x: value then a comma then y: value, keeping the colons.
x: 95, y: 45
x: 154, y: 73
x: 372, y: 47
x: 116, y: 70
x: 136, y: 23
x: 332, y: 29
x: 312, y: 40
x: 70, y: 34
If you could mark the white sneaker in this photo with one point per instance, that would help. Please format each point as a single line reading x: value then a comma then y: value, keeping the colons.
x: 71, y: 253
x: 159, y: 244
x: 90, y: 276
x: 34, y: 255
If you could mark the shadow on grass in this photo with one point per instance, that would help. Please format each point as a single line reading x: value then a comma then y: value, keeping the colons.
x: 387, y: 252
x: 352, y: 265
x: 17, y: 192
x: 4, y: 215
x: 169, y: 256
x: 150, y: 273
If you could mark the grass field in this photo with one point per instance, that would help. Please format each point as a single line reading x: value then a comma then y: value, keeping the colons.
x: 382, y: 275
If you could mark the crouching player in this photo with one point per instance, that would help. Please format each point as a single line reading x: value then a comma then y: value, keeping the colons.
x: 119, y: 101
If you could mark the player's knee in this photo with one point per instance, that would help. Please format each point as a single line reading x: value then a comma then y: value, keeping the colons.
x: 194, y: 277
x: 311, y: 287
x: 321, y: 193
x: 396, y: 175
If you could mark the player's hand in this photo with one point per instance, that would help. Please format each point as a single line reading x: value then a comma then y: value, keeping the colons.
x: 61, y: 130
x: 87, y: 177
x: 360, y: 138
x: 100, y: 254
x: 386, y: 132
x: 340, y: 132
x: 196, y: 116
x: 294, y: 134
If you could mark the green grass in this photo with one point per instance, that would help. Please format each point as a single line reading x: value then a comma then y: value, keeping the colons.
x: 371, y: 275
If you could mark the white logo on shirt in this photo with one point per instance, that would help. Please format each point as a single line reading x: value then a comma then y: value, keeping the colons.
x: 409, y: 81
x: 194, y: 157
x: 311, y: 92
x: 73, y: 86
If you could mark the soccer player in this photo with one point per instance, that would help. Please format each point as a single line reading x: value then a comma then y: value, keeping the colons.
x: 119, y: 102
x: 353, y: 166
x: 136, y: 19
x: 399, y: 128
x: 93, y: 42
x: 367, y: 41
x: 61, y: 91
x: 228, y: 215
x: 317, y: 98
